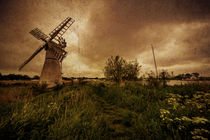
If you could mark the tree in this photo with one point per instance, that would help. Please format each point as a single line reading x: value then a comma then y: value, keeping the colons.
x: 164, y: 76
x: 180, y: 77
x: 152, y: 79
x: 188, y: 76
x: 118, y: 69
x: 114, y: 68
x: 36, y: 77
x: 131, y: 70
x: 196, y: 74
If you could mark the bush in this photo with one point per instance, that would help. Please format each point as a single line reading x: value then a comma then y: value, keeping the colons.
x: 118, y: 69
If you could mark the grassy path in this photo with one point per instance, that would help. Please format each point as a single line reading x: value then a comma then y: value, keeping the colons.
x: 106, y: 112
x: 117, y: 121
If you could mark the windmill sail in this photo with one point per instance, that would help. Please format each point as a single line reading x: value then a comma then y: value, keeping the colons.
x: 30, y: 58
x: 39, y: 34
x: 61, y: 28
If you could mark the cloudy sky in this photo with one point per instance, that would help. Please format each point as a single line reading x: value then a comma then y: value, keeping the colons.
x: 178, y: 29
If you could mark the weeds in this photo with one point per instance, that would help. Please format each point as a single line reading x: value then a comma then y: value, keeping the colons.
x: 107, y: 111
x: 39, y: 88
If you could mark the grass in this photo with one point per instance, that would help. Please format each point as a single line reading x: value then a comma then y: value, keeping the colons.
x: 102, y: 110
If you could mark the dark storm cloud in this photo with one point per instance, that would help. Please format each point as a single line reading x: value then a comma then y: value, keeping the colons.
x: 119, y: 27
x: 109, y: 27
x: 194, y: 46
x: 119, y: 21
x: 199, y: 42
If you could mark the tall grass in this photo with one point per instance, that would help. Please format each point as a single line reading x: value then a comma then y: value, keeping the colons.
x: 100, y: 110
x: 14, y: 93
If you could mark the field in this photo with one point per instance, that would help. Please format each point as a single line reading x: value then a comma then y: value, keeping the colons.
x: 104, y: 110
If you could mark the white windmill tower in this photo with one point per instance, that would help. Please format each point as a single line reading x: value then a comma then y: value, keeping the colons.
x: 55, y: 53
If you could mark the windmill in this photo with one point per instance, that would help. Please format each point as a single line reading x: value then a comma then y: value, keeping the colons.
x: 54, y: 45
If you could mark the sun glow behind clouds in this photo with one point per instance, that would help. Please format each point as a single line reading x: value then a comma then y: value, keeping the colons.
x: 73, y: 63
x: 73, y: 39
x: 75, y: 67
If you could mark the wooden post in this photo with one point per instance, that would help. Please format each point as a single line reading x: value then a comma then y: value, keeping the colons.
x: 154, y: 61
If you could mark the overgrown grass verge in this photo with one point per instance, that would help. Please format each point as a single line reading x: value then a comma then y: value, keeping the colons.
x: 108, y: 111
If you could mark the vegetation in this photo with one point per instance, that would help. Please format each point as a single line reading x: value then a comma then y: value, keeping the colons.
x: 118, y: 69
x: 194, y: 76
x: 104, y: 110
x: 101, y: 109
x: 164, y: 77
x: 17, y: 77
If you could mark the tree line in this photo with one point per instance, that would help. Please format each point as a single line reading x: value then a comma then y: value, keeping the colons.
x: 17, y: 77
x: 118, y: 69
